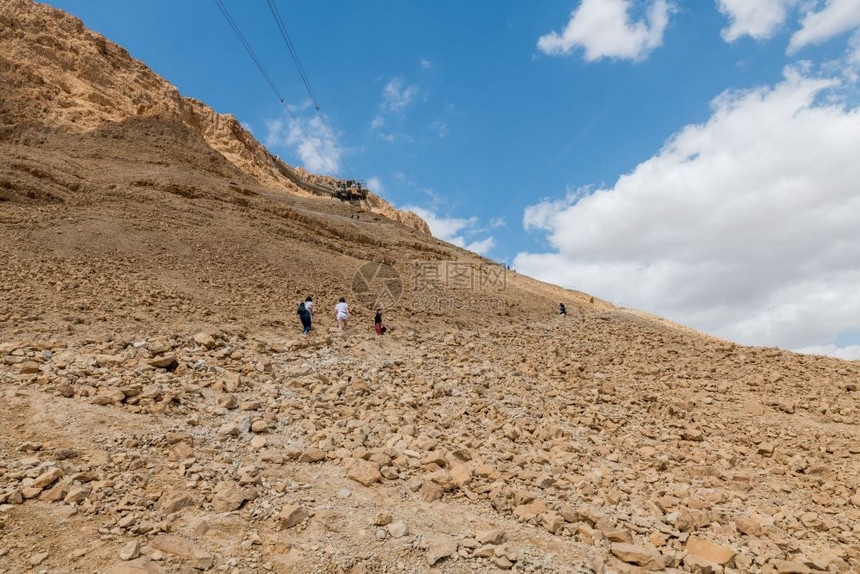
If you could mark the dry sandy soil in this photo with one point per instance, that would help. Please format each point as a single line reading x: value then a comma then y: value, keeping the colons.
x: 161, y: 411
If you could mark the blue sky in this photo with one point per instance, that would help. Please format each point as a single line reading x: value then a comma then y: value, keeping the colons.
x: 672, y: 113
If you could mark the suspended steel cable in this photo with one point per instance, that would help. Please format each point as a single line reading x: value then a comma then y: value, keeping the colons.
x: 265, y: 74
x: 273, y: 8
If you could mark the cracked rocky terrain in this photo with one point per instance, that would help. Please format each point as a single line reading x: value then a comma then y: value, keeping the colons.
x: 161, y: 411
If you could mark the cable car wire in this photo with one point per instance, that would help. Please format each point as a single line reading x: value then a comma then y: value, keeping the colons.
x: 273, y: 8
x: 265, y: 74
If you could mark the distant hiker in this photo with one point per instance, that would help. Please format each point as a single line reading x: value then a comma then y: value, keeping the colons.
x: 309, y: 305
x: 341, y: 311
x: 562, y: 310
x: 304, y: 317
x: 377, y: 323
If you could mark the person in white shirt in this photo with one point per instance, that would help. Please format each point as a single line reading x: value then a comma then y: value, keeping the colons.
x: 342, y: 314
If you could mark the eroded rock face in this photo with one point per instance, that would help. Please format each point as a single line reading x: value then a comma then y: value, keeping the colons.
x: 161, y: 412
x: 58, y: 75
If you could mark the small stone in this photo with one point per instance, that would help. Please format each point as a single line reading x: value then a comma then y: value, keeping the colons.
x: 644, y: 557
x: 102, y: 400
x: 292, y: 515
x: 786, y: 567
x: 749, y: 526
x: 658, y: 538
x: 77, y: 494
x: 398, y: 529
x: 205, y: 339
x: 168, y: 362
x: 694, y: 435
x: 709, y: 551
x: 179, y: 546
x: 28, y: 368
x: 259, y: 426
x: 569, y: 513
x: 461, y: 475
x: 230, y: 497
x: 130, y: 551
x: 530, y: 511
x: 495, y: 536
x: 621, y: 535
x: 29, y: 493
x: 158, y: 347
x: 258, y: 442
x: 229, y: 429
x: 699, y: 565
x: 430, y: 491
x: 552, y: 522
x: 38, y: 558
x: 66, y: 511
x: 126, y: 521
x: 47, y: 478
x: 183, y: 450
x: 440, y: 547
x: 29, y: 446
x: 229, y: 402
x: 766, y: 449
x: 364, y: 473
x: 786, y: 406
x: 175, y: 503
x: 312, y: 454
x: 78, y: 553
x: 754, y: 408
x: 382, y: 519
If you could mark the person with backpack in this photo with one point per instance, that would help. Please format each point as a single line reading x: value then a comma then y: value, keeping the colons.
x: 304, y: 317
x: 341, y: 311
x: 309, y: 305
x: 562, y: 310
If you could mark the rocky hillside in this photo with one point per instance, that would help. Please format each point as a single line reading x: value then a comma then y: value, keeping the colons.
x: 161, y: 411
x: 58, y: 75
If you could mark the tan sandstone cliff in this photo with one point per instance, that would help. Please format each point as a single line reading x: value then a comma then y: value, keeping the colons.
x: 61, y: 76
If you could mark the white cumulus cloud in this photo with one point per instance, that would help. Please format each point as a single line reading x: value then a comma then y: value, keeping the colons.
x: 481, y: 246
x: 397, y: 95
x: 854, y: 49
x: 759, y: 19
x: 309, y: 140
x: 849, y: 352
x: 746, y: 226
x: 835, y: 18
x: 605, y: 29
x: 455, y: 230
x: 375, y: 185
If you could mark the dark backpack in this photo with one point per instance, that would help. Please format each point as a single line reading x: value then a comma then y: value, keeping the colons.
x: 302, y: 310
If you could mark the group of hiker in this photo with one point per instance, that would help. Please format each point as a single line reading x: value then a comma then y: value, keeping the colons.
x: 341, y: 315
